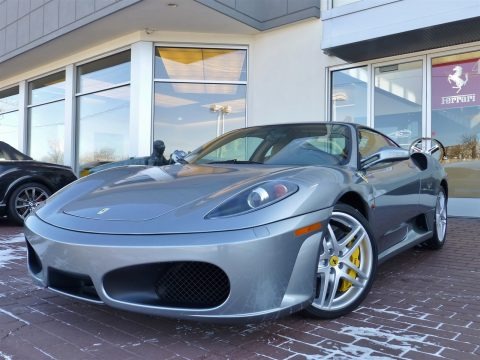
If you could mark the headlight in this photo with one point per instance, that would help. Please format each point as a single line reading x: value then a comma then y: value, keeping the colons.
x: 254, y: 198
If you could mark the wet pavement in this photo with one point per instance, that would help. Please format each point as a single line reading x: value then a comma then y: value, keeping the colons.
x: 424, y: 305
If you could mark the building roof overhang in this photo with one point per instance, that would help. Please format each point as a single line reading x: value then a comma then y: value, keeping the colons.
x: 432, y: 37
x: 149, y: 17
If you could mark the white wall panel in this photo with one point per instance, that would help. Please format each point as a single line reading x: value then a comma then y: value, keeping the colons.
x: 287, y: 75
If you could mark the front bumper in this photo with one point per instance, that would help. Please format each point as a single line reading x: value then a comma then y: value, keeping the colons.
x: 270, y: 269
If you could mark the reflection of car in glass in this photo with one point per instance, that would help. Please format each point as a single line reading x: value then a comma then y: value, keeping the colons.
x: 103, y: 165
x: 155, y: 159
x: 86, y: 168
x: 24, y: 182
x: 401, y: 134
x: 260, y: 222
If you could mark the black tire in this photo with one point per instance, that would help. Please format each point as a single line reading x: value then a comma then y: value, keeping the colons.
x: 335, y: 262
x: 440, y: 222
x: 24, y: 199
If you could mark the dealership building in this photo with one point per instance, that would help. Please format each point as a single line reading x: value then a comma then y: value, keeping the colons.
x: 86, y: 81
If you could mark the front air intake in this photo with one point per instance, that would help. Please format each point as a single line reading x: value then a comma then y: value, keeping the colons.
x: 173, y: 284
x: 74, y: 284
x: 192, y: 285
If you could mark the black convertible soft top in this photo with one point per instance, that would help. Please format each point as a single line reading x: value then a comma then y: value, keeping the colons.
x: 8, y: 152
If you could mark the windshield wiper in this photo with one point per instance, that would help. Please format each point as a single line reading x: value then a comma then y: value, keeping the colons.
x: 234, y: 161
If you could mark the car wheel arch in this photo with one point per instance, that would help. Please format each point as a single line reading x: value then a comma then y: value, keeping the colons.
x: 356, y: 201
x: 24, y: 198
x: 444, y: 185
x: 25, y: 180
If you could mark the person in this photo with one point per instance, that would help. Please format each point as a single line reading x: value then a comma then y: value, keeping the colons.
x: 157, y: 158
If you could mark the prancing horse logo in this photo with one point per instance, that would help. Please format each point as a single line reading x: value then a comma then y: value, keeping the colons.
x: 456, y: 78
x: 103, y: 211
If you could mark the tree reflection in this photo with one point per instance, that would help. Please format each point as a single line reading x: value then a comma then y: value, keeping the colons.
x: 467, y: 150
x: 105, y: 154
x: 55, y: 152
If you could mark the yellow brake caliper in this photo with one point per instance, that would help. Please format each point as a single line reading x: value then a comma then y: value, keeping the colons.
x: 355, y: 259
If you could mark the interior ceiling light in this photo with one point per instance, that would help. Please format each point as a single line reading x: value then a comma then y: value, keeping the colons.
x: 172, y: 5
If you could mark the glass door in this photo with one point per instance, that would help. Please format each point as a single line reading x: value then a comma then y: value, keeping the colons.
x: 398, y: 101
x: 455, y: 121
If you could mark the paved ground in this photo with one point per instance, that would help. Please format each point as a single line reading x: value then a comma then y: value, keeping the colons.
x: 424, y: 305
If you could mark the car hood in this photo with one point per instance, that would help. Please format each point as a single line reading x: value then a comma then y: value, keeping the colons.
x: 168, y: 199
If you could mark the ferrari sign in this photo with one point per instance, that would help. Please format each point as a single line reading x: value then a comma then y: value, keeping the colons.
x: 456, y: 85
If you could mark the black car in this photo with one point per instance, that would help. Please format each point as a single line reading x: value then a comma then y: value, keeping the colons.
x: 25, y: 183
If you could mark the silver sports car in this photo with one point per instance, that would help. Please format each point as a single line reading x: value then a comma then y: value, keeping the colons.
x: 260, y: 222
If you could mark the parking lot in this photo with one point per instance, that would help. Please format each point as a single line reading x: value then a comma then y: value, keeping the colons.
x: 424, y: 305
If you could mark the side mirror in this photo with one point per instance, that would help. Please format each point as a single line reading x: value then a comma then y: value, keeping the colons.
x: 385, y: 154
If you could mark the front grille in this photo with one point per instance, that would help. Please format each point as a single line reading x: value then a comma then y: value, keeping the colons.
x: 192, y: 285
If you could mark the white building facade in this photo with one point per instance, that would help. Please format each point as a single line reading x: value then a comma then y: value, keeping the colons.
x: 87, y: 81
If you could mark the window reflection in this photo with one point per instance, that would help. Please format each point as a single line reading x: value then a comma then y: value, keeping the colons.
x: 46, y: 117
x: 398, y: 101
x: 349, y: 95
x: 104, y: 125
x: 46, y: 124
x: 185, y: 119
x: 200, y: 64
x: 456, y: 119
x: 199, y: 94
x: 104, y: 73
x: 47, y: 89
x: 337, y: 3
x: 9, y: 116
x: 9, y: 100
x: 103, y: 110
x: 9, y: 128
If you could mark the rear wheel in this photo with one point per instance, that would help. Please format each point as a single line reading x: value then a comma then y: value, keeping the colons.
x: 25, y: 199
x: 440, y: 223
x: 346, y: 266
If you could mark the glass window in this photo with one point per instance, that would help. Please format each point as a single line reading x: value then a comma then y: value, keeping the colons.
x: 456, y: 119
x: 103, y: 110
x: 47, y: 89
x: 188, y: 115
x: 47, y: 132
x: 349, y: 95
x: 103, y: 119
x: 370, y: 142
x: 398, y: 101
x: 201, y: 64
x: 46, y: 118
x: 212, y: 101
x: 337, y: 3
x: 104, y: 73
x: 9, y: 116
x: 9, y: 100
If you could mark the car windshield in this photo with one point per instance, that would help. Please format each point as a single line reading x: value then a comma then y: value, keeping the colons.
x: 293, y: 144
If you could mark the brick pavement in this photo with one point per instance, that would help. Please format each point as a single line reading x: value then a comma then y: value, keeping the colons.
x: 423, y: 305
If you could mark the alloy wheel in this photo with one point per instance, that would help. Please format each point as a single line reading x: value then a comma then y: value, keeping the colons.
x: 441, y: 216
x: 28, y: 199
x: 346, y: 264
